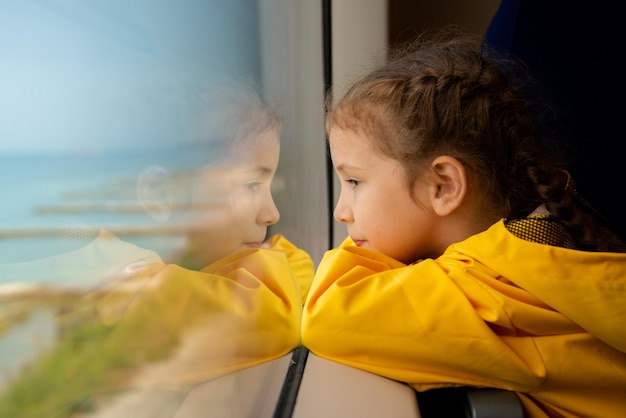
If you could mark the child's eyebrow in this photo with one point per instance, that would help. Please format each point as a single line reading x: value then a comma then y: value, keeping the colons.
x: 347, y: 167
x: 262, y: 170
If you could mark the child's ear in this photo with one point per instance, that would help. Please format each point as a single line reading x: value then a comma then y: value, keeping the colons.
x: 450, y: 183
x: 153, y: 192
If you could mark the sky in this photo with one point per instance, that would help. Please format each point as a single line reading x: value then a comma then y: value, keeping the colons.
x: 93, y: 76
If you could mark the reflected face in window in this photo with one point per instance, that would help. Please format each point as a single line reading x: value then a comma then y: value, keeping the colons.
x: 232, y: 204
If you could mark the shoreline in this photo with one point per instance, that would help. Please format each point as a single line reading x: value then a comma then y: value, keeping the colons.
x: 117, y: 230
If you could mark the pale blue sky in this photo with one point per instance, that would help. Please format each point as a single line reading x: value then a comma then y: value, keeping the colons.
x: 98, y: 75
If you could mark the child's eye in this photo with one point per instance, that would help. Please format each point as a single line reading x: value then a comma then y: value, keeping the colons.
x: 253, y: 185
x: 353, y: 182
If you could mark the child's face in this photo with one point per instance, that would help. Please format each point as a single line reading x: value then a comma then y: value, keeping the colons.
x: 375, y: 202
x: 234, y: 203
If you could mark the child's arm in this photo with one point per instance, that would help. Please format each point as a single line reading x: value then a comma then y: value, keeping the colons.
x: 299, y: 261
x: 410, y: 323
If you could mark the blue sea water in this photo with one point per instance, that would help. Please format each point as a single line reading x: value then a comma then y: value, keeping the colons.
x: 38, y: 189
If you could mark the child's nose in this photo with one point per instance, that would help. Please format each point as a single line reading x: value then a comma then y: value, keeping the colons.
x: 342, y: 213
x: 268, y: 215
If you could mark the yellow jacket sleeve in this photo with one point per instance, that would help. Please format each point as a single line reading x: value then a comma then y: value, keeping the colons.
x: 409, y: 323
x: 300, y: 262
x: 240, y: 311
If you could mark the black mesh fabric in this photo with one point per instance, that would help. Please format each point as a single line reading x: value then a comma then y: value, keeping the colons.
x: 543, y: 229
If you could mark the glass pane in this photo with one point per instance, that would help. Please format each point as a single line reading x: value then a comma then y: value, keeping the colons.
x: 135, y: 142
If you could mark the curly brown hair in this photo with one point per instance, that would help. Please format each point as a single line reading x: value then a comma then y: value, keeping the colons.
x: 451, y: 94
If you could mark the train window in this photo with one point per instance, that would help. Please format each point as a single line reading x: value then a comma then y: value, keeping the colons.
x: 140, y: 172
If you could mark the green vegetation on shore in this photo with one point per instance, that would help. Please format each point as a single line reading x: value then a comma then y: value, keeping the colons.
x: 90, y: 361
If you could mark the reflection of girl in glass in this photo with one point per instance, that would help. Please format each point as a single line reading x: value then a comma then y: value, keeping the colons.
x: 233, y: 301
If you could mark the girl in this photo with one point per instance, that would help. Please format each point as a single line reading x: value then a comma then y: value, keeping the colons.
x: 471, y: 260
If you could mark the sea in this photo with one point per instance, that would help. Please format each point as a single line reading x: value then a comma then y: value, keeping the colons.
x: 45, y: 195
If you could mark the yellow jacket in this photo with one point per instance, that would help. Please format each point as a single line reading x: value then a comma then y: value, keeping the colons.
x: 492, y: 311
x: 240, y: 311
